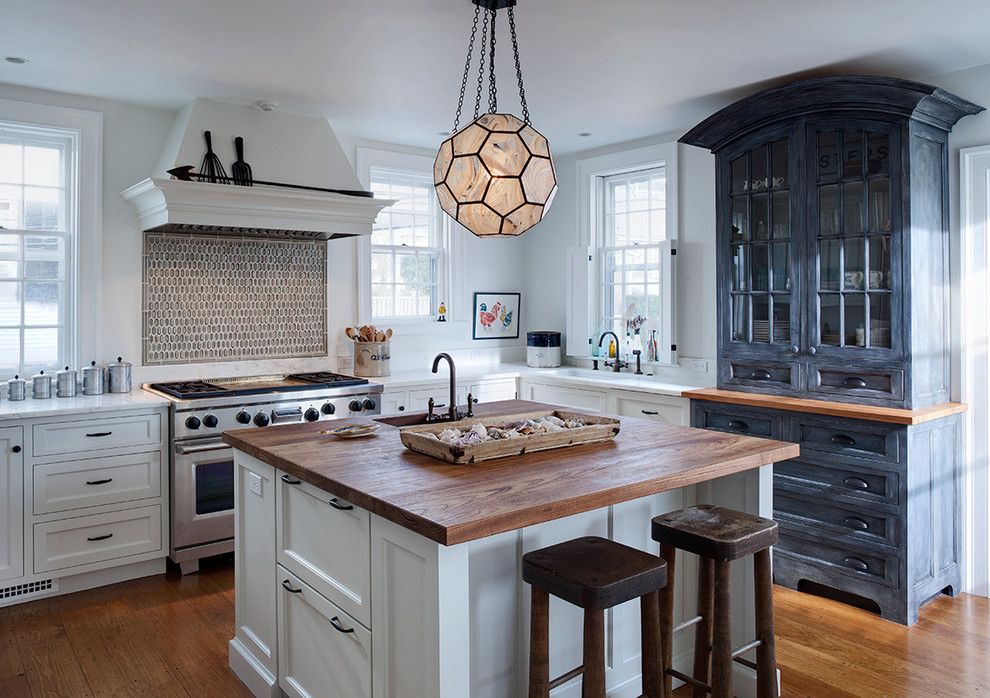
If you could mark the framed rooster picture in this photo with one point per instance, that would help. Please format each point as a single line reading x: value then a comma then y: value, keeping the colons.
x: 496, y: 315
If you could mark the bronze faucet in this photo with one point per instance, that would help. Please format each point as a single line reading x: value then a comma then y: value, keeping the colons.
x: 618, y: 364
x: 452, y: 414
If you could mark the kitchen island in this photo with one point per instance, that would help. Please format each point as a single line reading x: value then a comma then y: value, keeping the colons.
x: 364, y: 569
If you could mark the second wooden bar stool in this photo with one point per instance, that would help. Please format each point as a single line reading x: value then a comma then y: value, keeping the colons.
x: 718, y: 536
x: 595, y: 574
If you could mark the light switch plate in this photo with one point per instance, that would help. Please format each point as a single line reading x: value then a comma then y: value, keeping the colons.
x: 345, y: 363
x: 254, y: 483
x: 700, y: 366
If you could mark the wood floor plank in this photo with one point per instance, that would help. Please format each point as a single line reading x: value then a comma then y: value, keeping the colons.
x: 13, y: 676
x: 50, y: 663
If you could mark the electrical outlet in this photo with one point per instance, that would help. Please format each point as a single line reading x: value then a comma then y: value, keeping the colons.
x: 699, y: 366
x: 345, y: 363
x: 254, y: 483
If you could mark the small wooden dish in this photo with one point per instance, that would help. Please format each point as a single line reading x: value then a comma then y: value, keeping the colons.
x: 351, y: 431
x: 596, y: 429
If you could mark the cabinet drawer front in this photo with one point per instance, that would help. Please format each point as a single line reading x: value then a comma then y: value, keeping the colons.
x: 855, y: 563
x: 323, y: 651
x: 87, y: 483
x: 757, y: 374
x: 876, y: 384
x: 130, y: 431
x: 842, y: 523
x: 840, y: 480
x: 669, y: 410
x: 732, y: 419
x: 493, y: 391
x: 845, y: 437
x: 86, y: 539
x: 327, y: 543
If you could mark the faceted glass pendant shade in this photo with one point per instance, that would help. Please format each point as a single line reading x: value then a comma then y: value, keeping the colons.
x: 495, y: 176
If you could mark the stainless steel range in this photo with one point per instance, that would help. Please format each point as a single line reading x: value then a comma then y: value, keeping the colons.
x: 202, y: 472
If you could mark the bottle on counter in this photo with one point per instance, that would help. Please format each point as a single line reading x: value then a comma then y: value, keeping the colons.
x: 652, y: 353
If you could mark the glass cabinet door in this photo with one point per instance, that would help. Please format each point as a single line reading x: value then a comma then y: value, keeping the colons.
x: 852, y: 275
x: 759, y: 236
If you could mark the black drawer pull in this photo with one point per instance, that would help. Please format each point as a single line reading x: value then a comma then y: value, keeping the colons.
x: 288, y: 587
x: 856, y: 564
x: 103, y: 537
x: 760, y: 375
x: 650, y: 412
x: 842, y: 440
x: 738, y: 424
x: 856, y: 483
x: 402, y: 408
x: 335, y: 622
x: 853, y: 382
x: 289, y: 481
x: 856, y: 522
x: 335, y: 503
x: 16, y: 449
x: 105, y: 481
x: 97, y: 434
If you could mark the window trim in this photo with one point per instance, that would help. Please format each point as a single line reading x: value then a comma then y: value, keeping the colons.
x: 452, y: 278
x: 84, y: 275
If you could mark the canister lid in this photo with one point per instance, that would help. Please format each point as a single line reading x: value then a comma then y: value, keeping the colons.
x: 16, y: 380
x: 120, y: 363
x: 543, y: 339
x: 92, y: 367
x: 65, y: 372
x: 41, y: 375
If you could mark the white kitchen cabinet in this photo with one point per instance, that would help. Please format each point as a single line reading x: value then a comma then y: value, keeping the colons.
x: 394, y: 402
x: 66, y: 543
x: 566, y: 396
x: 661, y: 408
x: 323, y: 651
x: 69, y: 437
x: 419, y: 399
x: 11, y: 503
x: 493, y: 390
x: 95, y: 481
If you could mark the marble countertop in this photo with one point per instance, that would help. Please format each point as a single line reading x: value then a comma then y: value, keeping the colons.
x: 137, y: 399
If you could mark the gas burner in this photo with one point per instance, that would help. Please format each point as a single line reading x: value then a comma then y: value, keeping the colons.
x: 327, y: 378
x: 186, y: 389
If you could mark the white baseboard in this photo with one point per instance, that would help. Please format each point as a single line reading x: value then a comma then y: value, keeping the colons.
x: 257, y: 678
x: 88, y: 580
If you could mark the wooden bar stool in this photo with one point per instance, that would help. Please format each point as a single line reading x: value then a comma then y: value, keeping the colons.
x: 594, y: 574
x: 718, y: 536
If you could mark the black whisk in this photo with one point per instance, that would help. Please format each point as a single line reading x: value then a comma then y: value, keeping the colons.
x: 240, y: 170
x: 212, y: 170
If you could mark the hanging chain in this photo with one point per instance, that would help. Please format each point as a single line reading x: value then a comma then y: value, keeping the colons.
x: 481, y: 66
x: 519, y: 77
x: 467, y: 67
x: 492, y: 89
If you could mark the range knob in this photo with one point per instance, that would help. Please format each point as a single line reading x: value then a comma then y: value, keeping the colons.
x: 328, y: 408
x: 243, y: 417
x: 311, y: 415
x: 192, y: 423
x: 210, y: 421
x: 369, y: 404
x: 355, y: 406
x: 261, y: 419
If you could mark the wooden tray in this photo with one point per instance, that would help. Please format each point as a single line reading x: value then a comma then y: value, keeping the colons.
x: 596, y: 429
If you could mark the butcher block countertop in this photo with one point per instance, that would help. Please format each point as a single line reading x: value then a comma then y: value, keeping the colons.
x: 453, y: 504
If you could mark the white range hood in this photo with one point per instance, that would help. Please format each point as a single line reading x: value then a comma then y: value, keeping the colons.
x: 280, y: 148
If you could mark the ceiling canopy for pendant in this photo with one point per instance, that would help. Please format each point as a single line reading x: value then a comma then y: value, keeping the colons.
x: 496, y: 175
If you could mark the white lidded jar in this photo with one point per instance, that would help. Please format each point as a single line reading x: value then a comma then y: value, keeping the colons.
x: 543, y: 349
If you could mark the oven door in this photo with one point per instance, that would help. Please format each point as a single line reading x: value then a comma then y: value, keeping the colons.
x: 202, y: 493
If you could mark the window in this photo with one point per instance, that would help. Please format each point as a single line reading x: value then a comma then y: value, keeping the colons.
x: 38, y: 221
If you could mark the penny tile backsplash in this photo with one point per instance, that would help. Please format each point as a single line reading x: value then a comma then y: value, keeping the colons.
x: 209, y: 299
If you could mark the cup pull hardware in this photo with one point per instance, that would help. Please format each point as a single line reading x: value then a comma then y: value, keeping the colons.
x: 760, y: 375
x: 335, y: 622
x: 93, y: 539
x: 856, y: 483
x: 856, y: 564
x: 738, y: 424
x: 288, y: 587
x: 842, y: 440
x: 98, y: 434
x: 289, y: 481
x: 335, y: 503
x: 856, y: 522
x: 105, y: 481
x: 649, y: 412
x: 853, y: 382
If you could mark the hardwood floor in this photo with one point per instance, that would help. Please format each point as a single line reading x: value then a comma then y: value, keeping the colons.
x: 167, y: 636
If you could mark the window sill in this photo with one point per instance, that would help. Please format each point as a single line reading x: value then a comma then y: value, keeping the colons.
x: 409, y: 327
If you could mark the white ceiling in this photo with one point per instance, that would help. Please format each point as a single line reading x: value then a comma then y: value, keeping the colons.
x: 390, y: 69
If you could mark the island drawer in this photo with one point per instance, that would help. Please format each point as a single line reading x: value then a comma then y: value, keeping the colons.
x: 856, y: 525
x: 95, y: 481
x: 734, y: 419
x: 326, y: 542
x: 849, y: 438
x: 838, y: 480
x: 322, y: 650
x: 840, y: 559
x: 130, y: 431
x: 83, y: 540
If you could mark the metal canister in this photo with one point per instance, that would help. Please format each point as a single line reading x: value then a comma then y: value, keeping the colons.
x: 41, y: 385
x: 16, y: 388
x: 120, y: 376
x: 65, y: 383
x: 93, y: 379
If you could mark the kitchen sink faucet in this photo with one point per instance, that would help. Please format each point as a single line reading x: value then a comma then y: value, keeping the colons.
x: 452, y: 414
x: 618, y: 364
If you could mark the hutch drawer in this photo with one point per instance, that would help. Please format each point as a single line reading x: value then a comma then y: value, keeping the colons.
x: 839, y: 481
x: 735, y: 419
x: 884, y: 385
x: 763, y: 374
x: 840, y: 559
x: 846, y: 438
x: 848, y: 524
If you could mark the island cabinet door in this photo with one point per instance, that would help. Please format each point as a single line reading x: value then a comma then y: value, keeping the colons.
x: 323, y: 651
x: 326, y: 541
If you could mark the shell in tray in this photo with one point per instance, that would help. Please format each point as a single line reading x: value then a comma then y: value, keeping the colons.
x: 571, y: 429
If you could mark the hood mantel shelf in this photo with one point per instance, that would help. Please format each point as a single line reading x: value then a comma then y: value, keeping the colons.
x: 174, y: 206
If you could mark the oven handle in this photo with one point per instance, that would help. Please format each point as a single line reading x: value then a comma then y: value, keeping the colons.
x: 184, y: 450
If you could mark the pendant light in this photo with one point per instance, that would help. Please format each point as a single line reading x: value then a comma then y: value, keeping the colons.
x: 496, y: 175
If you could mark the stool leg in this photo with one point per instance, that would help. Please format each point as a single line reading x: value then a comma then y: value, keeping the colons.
x: 539, y: 644
x: 653, y: 670
x: 669, y: 554
x: 766, y: 653
x: 593, y: 682
x: 703, y: 631
x: 722, y: 634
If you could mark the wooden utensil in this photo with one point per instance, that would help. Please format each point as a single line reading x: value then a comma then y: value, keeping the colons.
x: 388, y: 334
x: 351, y: 333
